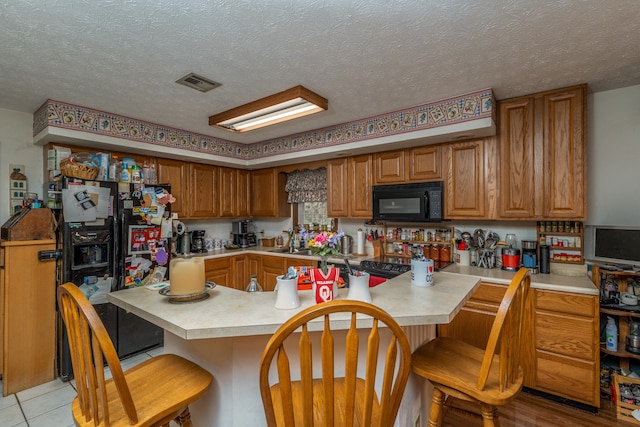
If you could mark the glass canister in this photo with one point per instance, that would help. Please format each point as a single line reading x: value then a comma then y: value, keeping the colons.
x: 445, y: 254
x: 434, y: 253
x: 253, y: 285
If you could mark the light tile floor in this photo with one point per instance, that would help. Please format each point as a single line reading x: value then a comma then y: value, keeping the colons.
x: 49, y: 405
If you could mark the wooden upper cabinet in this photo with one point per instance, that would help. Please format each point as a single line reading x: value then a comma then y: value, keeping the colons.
x: 242, y: 192
x: 175, y: 173
x: 423, y: 163
x: 409, y: 165
x: 390, y: 167
x: 227, y: 192
x: 337, y: 188
x: 471, y: 169
x: 542, y: 155
x: 359, y: 185
x: 203, y: 191
x: 268, y: 196
x: 564, y: 143
x: 517, y: 158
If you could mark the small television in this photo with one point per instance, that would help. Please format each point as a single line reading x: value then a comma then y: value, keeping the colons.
x: 612, y: 244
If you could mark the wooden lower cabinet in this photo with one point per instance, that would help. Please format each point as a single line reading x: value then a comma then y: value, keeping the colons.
x: 562, y: 356
x: 234, y: 271
x: 218, y: 270
x: 28, y: 291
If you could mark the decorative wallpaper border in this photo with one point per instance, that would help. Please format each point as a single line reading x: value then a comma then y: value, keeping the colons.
x: 463, y: 108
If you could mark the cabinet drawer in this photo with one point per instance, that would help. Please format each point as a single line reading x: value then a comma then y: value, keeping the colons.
x: 489, y: 292
x: 567, y: 377
x: 566, y: 335
x: 217, y: 263
x: 581, y: 305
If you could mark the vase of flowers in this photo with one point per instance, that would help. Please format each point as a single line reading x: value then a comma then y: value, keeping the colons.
x: 325, y: 279
x: 323, y: 244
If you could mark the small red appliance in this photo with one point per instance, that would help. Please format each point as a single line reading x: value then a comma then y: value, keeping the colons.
x: 510, y: 259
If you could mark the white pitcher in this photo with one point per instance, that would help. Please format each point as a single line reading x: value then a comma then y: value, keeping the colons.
x: 359, y: 288
x: 287, y: 293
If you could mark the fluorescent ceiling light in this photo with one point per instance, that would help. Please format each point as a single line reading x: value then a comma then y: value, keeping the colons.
x: 287, y: 105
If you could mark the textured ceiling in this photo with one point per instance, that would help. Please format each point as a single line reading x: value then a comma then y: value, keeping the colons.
x: 367, y: 57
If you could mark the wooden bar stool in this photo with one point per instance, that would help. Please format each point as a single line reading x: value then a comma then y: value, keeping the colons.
x: 492, y: 377
x: 329, y: 401
x: 153, y: 393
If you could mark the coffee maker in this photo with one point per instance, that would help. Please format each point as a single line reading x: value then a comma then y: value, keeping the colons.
x: 243, y: 232
x: 197, y: 241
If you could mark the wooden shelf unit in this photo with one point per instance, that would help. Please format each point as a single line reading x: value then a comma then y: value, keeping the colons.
x: 576, y: 252
x: 404, y: 247
x: 621, y: 278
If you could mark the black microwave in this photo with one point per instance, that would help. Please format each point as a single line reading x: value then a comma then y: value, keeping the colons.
x: 415, y: 202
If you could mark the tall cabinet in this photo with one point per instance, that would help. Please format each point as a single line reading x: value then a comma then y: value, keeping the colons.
x: 543, y: 155
x: 28, y: 296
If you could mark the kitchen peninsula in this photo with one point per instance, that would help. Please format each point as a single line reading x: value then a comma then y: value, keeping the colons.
x: 227, y: 333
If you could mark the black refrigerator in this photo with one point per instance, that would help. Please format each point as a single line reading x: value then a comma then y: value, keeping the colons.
x: 145, y: 235
x: 93, y: 236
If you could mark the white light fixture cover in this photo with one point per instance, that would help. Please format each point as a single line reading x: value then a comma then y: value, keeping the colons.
x: 287, y: 105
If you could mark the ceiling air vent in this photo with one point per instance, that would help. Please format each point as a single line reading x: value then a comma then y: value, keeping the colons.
x: 197, y: 82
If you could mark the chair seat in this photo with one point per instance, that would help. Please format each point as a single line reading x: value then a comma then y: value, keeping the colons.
x: 160, y: 387
x: 456, y: 365
x: 318, y: 415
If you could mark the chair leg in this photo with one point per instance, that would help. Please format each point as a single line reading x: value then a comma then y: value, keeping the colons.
x: 490, y: 416
x: 435, y: 413
x: 184, y: 419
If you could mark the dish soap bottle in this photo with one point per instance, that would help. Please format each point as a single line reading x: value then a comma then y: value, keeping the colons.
x: 611, y: 334
x: 253, y: 285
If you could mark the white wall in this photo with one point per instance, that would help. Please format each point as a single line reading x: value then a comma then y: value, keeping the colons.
x: 614, y: 157
x: 16, y: 147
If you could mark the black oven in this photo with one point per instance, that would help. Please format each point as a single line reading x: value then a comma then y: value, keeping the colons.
x: 415, y: 202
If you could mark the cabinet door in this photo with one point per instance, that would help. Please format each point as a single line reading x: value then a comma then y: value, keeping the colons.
x: 564, y: 171
x: 272, y: 267
x: 227, y: 195
x: 218, y: 270
x: 175, y: 172
x: 268, y: 196
x: 389, y: 167
x: 254, y: 266
x: 360, y: 176
x: 423, y: 163
x: 241, y: 193
x: 203, y: 191
x: 337, y: 188
x: 517, y: 176
x: 465, y: 185
x: 239, y: 278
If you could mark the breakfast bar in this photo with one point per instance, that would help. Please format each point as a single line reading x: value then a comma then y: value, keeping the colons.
x: 227, y: 332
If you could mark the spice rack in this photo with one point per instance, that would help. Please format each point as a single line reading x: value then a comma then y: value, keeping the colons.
x: 565, y: 240
x: 435, y: 241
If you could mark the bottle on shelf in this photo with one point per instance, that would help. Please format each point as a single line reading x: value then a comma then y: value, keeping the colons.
x: 611, y: 334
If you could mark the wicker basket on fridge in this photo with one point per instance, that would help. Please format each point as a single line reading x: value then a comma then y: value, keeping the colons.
x: 78, y: 169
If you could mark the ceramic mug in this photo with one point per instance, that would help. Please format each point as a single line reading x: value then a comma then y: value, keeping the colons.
x: 422, y: 272
x: 208, y: 243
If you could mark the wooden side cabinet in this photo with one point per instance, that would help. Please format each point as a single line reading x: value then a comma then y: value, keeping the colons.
x: 337, y: 188
x: 360, y: 176
x: 560, y: 353
x: 204, y: 193
x: 28, y: 291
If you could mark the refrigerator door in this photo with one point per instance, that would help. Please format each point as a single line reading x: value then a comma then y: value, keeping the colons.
x: 144, y: 258
x: 89, y: 254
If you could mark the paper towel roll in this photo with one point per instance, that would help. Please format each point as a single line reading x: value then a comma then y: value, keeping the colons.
x: 360, y: 242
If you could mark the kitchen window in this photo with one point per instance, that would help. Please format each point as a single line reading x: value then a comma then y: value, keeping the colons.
x: 307, y: 189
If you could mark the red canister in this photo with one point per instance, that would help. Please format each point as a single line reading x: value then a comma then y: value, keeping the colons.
x: 510, y: 259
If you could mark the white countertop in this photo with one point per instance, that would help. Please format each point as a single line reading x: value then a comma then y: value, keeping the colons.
x: 231, y: 313
x: 580, y: 284
x: 550, y: 282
